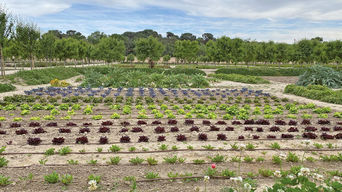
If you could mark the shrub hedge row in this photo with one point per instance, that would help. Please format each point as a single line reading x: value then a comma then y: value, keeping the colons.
x: 316, y: 92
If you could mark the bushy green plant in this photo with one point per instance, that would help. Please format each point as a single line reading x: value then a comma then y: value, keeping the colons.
x: 64, y: 150
x: 52, y: 178
x: 316, y: 92
x: 320, y: 75
x: 136, y: 161
x: 4, y: 181
x: 66, y: 179
x: 261, y: 71
x: 3, y: 162
x: 6, y: 87
x: 119, y: 77
x: 152, y: 175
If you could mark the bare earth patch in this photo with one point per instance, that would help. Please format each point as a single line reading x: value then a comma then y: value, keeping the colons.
x: 282, y: 79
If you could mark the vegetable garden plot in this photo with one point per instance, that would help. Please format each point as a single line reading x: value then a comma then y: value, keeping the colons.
x: 166, y: 128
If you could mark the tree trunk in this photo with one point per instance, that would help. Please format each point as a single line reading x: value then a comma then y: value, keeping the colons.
x: 32, y: 61
x: 151, y: 63
x: 2, y: 63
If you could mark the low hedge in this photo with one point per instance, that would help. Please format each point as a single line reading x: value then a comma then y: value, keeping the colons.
x: 316, y: 92
x: 240, y: 78
x: 6, y: 87
x: 262, y: 71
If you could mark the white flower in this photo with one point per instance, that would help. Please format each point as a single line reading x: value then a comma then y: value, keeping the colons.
x: 239, y: 179
x: 247, y: 187
x: 282, y: 156
x: 336, y: 179
x: 206, y: 178
x: 92, y: 182
x: 242, y: 146
x: 277, y: 174
x: 92, y: 185
x: 236, y: 179
x: 280, y: 190
x: 318, y: 177
x: 305, y: 171
x: 291, y: 176
x: 300, y: 174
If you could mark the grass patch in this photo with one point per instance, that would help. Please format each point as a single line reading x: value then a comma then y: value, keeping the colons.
x: 44, y: 76
x: 161, y: 77
x: 144, y: 77
x: 240, y: 78
x: 262, y: 71
x: 316, y: 92
x: 6, y: 87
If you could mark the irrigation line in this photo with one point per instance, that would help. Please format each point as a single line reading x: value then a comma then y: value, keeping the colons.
x: 179, y: 150
x: 238, y: 140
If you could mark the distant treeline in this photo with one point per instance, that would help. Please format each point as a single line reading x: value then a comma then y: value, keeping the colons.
x: 23, y: 41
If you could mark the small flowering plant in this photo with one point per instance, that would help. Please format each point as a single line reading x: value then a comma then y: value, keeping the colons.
x: 240, y: 184
x: 306, y: 180
x: 92, y: 185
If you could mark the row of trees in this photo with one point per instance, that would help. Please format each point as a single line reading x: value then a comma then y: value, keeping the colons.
x: 19, y: 40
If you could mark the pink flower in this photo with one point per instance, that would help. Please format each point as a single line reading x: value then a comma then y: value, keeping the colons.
x: 213, y: 166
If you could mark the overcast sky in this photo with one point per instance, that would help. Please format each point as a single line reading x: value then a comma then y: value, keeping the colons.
x: 262, y: 20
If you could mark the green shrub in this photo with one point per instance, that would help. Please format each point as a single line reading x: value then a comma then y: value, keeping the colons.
x: 44, y: 76
x: 320, y: 75
x: 6, y: 87
x: 262, y: 71
x: 118, y: 77
x: 316, y: 92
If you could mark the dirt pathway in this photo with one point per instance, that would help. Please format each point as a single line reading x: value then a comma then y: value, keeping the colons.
x: 20, y: 89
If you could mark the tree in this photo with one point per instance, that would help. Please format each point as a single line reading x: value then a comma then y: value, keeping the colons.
x: 46, y: 46
x: 186, y: 50
x: 66, y: 48
x: 58, y: 34
x: 305, y: 50
x: 11, y: 50
x: 149, y: 48
x: 95, y: 37
x: 111, y: 49
x: 212, y: 53
x: 170, y: 35
x: 207, y: 36
x: 249, y: 52
x: 74, y: 34
x: 281, y: 54
x: 166, y: 58
x: 130, y: 58
x: 224, y: 48
x: 27, y: 36
x: 188, y: 36
x: 83, y: 47
x: 6, y: 29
